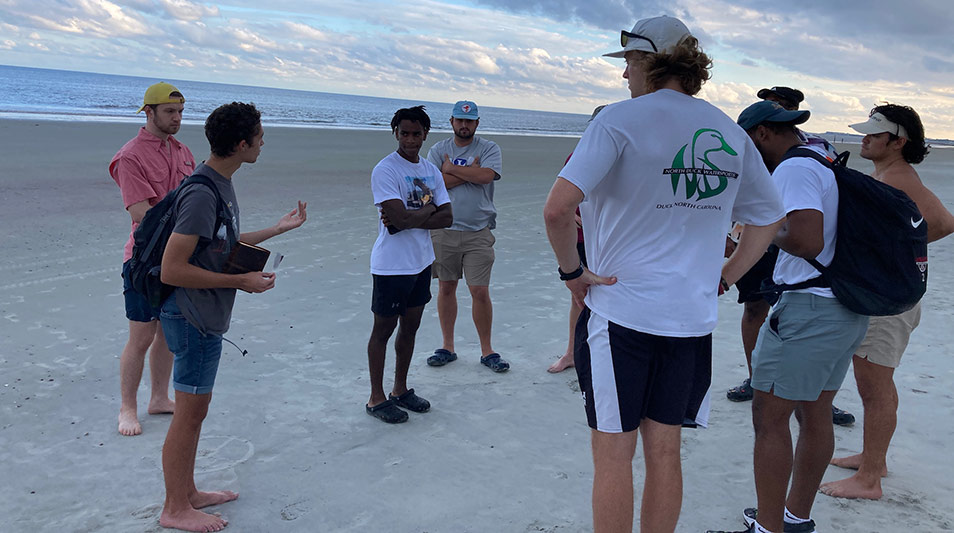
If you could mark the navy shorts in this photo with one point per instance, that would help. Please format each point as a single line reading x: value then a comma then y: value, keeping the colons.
x: 751, y: 282
x: 137, y: 306
x: 196, y: 355
x: 394, y: 295
x: 627, y: 375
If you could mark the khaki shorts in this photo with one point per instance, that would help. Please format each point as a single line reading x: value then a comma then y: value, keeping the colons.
x: 468, y: 254
x: 888, y: 336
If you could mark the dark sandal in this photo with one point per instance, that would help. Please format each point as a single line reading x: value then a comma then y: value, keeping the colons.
x: 742, y: 393
x: 386, y: 411
x: 495, y: 363
x: 411, y: 401
x: 441, y: 357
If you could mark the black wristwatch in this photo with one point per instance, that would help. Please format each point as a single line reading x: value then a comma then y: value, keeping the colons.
x: 567, y: 276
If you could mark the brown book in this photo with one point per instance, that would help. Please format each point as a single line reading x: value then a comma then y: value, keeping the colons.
x: 246, y: 258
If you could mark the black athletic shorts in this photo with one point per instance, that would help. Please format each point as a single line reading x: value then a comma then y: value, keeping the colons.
x: 627, y: 375
x: 582, y: 251
x: 751, y: 282
x: 394, y: 295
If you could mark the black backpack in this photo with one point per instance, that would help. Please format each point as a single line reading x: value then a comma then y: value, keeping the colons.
x: 149, y: 242
x: 880, y: 262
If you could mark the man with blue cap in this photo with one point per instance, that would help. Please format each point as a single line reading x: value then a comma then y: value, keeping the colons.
x: 470, y: 166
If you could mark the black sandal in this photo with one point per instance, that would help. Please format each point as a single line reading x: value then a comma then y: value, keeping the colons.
x: 411, y: 401
x: 386, y: 411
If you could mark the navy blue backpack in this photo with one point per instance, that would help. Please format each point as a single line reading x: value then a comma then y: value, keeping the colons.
x: 880, y: 262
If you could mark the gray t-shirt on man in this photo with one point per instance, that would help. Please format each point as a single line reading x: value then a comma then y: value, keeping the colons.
x: 473, y: 204
x: 209, y: 310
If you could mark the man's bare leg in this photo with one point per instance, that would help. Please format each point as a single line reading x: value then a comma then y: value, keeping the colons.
x: 662, y: 489
x: 772, y: 457
x: 404, y: 347
x: 566, y: 360
x: 816, y: 443
x: 178, y: 468
x: 447, y: 311
x: 613, y: 481
x: 377, y: 350
x: 879, y: 396
x: 131, y: 362
x: 753, y: 316
x: 483, y: 315
x: 160, y: 370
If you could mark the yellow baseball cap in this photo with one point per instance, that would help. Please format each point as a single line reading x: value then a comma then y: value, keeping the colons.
x: 161, y: 93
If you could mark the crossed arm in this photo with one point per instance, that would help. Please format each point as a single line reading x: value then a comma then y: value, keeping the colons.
x: 455, y: 175
x: 394, y: 212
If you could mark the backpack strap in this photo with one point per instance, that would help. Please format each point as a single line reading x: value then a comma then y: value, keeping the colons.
x: 222, y: 213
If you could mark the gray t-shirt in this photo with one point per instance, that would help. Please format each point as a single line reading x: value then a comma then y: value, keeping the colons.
x: 473, y: 204
x: 209, y: 310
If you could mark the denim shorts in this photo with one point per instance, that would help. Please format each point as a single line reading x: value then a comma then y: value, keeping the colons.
x: 805, y: 346
x: 196, y: 355
x: 137, y: 306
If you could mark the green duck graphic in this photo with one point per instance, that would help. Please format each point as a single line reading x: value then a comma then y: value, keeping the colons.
x: 696, y: 182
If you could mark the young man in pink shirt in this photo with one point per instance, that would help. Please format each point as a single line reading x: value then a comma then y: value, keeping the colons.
x: 146, y: 168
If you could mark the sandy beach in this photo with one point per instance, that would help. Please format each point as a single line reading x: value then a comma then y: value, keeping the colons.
x: 287, y: 428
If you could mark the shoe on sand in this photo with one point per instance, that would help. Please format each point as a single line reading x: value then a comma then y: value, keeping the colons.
x: 742, y: 393
x: 841, y: 418
x: 495, y: 363
x: 441, y: 357
x: 411, y: 402
x: 386, y: 411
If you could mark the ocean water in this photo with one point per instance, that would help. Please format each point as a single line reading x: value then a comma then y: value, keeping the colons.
x: 68, y: 95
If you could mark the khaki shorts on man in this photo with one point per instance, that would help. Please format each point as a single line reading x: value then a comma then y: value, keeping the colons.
x: 463, y: 254
x: 888, y: 336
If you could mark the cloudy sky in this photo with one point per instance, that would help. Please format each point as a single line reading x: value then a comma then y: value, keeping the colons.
x: 846, y: 56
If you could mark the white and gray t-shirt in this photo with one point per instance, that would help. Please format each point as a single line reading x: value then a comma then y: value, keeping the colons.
x: 408, y: 251
x: 473, y: 203
x: 662, y: 177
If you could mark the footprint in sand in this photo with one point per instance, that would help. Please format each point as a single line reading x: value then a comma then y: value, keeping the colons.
x: 221, y: 453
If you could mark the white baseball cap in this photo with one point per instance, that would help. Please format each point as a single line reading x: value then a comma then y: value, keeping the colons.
x: 878, y: 123
x: 654, y: 35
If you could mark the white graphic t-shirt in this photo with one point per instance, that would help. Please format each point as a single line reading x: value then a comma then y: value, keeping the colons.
x: 807, y: 184
x: 663, y: 175
x: 408, y: 251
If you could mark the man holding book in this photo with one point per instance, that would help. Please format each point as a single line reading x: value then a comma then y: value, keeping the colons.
x: 198, y: 313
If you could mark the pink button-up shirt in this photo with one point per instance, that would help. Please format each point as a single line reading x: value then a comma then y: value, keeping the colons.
x: 146, y: 168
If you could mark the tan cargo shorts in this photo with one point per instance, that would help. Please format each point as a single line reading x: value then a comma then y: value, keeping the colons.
x: 467, y: 254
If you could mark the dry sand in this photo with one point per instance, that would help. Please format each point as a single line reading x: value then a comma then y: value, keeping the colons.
x: 287, y: 427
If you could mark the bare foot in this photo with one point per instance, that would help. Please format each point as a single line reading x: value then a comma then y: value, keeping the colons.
x: 852, y: 487
x: 205, y: 499
x: 853, y: 462
x: 163, y: 406
x: 129, y: 423
x: 192, y: 520
x: 561, y: 364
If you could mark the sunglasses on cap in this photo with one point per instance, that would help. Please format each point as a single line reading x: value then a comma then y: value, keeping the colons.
x: 625, y: 37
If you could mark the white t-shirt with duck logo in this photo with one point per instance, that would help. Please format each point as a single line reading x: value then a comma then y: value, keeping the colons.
x: 663, y: 175
x: 408, y: 251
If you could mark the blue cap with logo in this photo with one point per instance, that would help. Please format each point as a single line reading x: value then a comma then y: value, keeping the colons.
x: 465, y: 109
x: 768, y: 111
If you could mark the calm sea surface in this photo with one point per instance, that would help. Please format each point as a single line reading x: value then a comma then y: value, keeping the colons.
x: 67, y: 95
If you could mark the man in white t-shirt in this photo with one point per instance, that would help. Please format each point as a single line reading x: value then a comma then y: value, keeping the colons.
x: 805, y: 346
x: 657, y: 179
x: 412, y: 198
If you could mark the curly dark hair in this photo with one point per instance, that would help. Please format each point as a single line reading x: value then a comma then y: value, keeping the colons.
x: 915, y: 148
x: 231, y: 124
x: 414, y: 114
x: 686, y: 62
